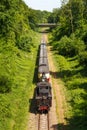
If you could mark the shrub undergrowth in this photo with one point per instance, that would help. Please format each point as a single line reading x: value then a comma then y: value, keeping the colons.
x: 16, y: 87
x: 74, y: 77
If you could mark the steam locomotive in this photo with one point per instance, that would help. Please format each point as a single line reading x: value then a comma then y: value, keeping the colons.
x: 43, y: 94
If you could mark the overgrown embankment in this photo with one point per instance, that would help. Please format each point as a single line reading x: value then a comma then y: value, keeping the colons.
x: 69, y: 41
x: 18, y: 51
x: 16, y: 87
x: 74, y: 77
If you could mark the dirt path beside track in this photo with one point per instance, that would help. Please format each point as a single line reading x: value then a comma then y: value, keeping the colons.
x: 58, y: 93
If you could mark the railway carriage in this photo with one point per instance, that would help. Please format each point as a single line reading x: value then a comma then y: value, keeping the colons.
x: 43, y: 53
x: 43, y: 67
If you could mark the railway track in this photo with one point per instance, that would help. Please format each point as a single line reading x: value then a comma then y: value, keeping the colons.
x: 43, y: 122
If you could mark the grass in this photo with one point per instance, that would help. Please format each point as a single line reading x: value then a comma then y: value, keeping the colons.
x: 74, y: 78
x: 14, y: 106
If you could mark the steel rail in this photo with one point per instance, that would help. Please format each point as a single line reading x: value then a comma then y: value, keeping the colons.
x: 44, y: 117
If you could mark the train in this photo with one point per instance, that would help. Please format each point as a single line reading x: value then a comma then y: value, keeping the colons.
x: 43, y: 91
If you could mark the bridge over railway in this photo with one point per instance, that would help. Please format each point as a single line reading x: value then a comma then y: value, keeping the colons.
x: 46, y: 24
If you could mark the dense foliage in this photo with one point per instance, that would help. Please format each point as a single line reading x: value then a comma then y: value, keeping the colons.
x: 18, y: 50
x: 37, y: 16
x: 14, y: 25
x: 69, y: 41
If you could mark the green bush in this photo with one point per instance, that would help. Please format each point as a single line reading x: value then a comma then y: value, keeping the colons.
x: 83, y: 58
x: 82, y: 33
x: 69, y: 46
x: 5, y: 84
x: 24, y: 43
x: 62, y: 63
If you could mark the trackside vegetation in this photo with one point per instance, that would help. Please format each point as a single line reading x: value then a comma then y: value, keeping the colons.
x: 18, y: 50
x: 19, y: 40
x: 69, y: 42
